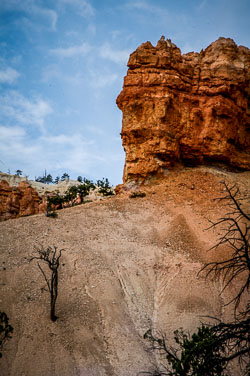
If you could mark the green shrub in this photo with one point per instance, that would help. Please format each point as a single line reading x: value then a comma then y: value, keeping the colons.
x: 104, y: 188
x: 75, y: 192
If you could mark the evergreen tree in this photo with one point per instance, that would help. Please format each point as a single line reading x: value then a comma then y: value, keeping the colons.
x: 57, y: 180
x: 64, y: 176
x: 18, y: 173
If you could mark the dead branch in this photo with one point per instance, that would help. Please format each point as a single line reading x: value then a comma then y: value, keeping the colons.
x: 51, y: 256
x: 236, y: 234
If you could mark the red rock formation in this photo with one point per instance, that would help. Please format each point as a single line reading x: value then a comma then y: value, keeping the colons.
x: 185, y: 109
x: 19, y: 201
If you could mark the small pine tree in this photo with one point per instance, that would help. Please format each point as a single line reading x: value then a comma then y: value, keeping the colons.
x: 18, y: 172
x: 64, y: 176
x: 104, y: 187
x: 49, y: 179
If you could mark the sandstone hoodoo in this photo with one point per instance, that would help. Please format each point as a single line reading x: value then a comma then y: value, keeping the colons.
x: 186, y: 109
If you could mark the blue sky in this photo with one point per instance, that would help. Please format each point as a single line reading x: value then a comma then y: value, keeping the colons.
x: 62, y: 64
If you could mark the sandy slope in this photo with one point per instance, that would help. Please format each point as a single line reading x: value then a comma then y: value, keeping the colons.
x: 128, y: 265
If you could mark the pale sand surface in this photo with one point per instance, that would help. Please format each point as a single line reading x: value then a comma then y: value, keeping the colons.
x: 128, y: 265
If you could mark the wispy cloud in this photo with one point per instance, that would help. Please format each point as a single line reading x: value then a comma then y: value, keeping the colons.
x: 63, y: 139
x: 53, y: 73
x: 48, y: 14
x: 76, y: 50
x: 100, y: 80
x: 33, y: 10
x: 73, y: 153
x: 8, y: 133
x: 15, y: 146
x: 106, y: 51
x: 8, y: 75
x: 146, y: 6
x: 83, y: 7
x: 200, y: 7
x: 141, y: 5
x: 151, y: 12
x: 57, y: 152
x: 50, y: 73
x: 15, y: 108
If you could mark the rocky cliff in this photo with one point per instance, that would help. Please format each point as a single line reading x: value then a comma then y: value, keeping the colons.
x: 186, y: 109
x: 19, y: 201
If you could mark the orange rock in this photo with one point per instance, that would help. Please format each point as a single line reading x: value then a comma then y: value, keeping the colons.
x: 185, y: 109
x: 18, y: 201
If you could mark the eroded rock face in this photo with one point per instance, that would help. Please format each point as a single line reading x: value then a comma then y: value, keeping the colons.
x: 185, y: 109
x: 19, y: 201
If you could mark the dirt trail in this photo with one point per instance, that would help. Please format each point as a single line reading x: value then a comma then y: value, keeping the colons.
x: 128, y: 265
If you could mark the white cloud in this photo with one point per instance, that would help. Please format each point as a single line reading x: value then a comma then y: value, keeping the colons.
x: 7, y: 133
x: 72, y: 153
x: 100, y: 80
x: 48, y: 14
x: 72, y: 34
x: 117, y: 56
x: 55, y: 153
x: 15, y: 146
x: 8, y: 75
x: 154, y: 12
x: 71, y: 51
x: 141, y: 5
x: 53, y: 72
x: 16, y: 60
x: 16, y: 108
x: 63, y: 139
x: 31, y: 8
x: 147, y: 7
x: 83, y: 7
x: 106, y: 51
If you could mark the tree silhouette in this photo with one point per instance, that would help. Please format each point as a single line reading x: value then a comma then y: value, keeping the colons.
x: 57, y: 180
x: 49, y: 179
x: 51, y: 257
x: 236, y: 236
x: 212, y: 347
x: 64, y: 176
x: 5, y: 330
x: 45, y: 179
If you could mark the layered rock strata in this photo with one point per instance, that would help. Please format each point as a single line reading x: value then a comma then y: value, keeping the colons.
x: 19, y: 201
x: 186, y: 109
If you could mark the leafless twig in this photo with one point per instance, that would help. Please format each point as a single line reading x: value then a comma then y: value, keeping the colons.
x: 51, y: 256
